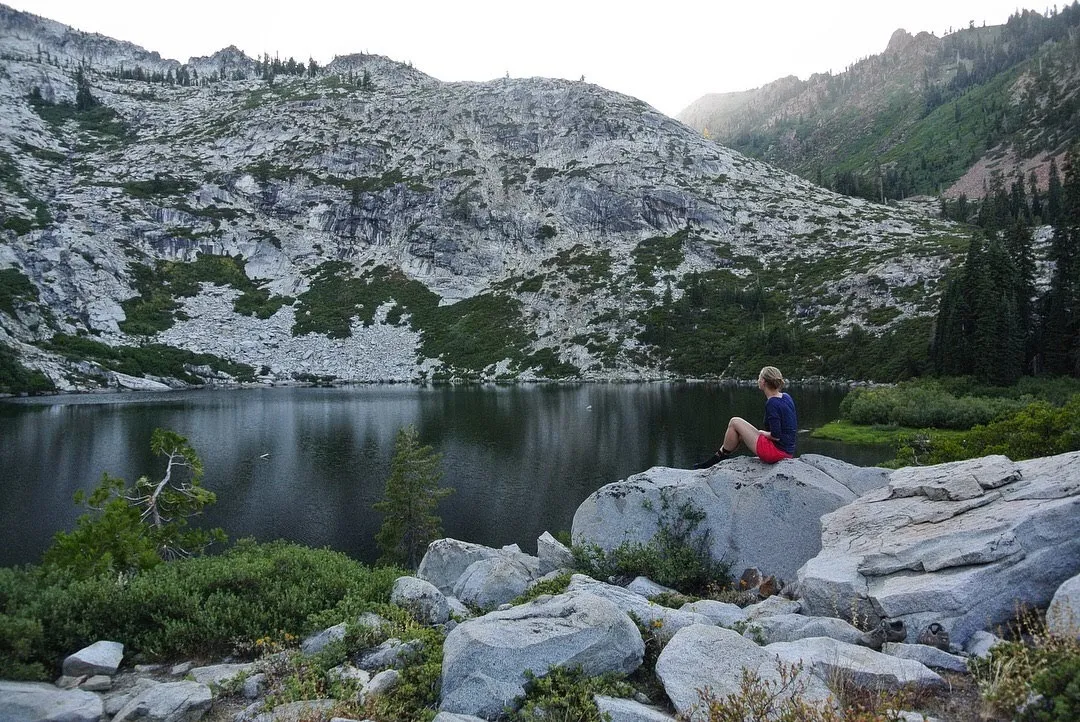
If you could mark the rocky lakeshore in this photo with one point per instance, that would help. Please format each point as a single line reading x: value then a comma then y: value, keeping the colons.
x: 911, y: 576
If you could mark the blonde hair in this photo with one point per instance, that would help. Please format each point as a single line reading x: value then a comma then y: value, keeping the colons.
x: 772, y: 377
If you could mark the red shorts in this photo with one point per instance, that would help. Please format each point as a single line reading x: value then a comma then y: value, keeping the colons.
x: 768, y: 451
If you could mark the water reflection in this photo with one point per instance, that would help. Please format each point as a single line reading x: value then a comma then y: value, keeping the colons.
x: 307, y: 464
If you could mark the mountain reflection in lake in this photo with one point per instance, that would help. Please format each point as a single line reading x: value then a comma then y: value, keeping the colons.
x: 307, y: 464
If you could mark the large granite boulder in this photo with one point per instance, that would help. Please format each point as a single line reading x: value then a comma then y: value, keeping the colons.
x: 757, y: 515
x: 485, y: 659
x: 38, y: 702
x: 962, y: 544
x: 701, y: 656
x: 446, y: 560
x: 1063, y: 614
x: 421, y: 599
x: 167, y: 702
x: 859, y: 479
x: 665, y: 620
x: 99, y: 658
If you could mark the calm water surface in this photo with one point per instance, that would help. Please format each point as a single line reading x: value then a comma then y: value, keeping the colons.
x: 307, y: 464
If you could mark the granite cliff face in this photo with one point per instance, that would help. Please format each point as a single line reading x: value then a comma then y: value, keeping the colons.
x: 370, y: 222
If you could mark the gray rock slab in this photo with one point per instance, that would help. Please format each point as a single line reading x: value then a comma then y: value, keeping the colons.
x: 485, y: 659
x: 391, y: 653
x: 254, y: 686
x: 980, y: 643
x: 746, y: 503
x: 961, y: 544
x: 167, y: 702
x: 552, y: 555
x: 381, y: 683
x: 703, y: 656
x: 863, y: 667
x: 667, y: 621
x: 487, y: 583
x: 618, y: 709
x: 219, y: 674
x: 1063, y: 614
x: 789, y: 627
x: 859, y: 479
x: 97, y: 683
x: 422, y: 599
x: 320, y: 640
x: 447, y: 559
x: 39, y: 702
x: 101, y: 657
x: 297, y: 711
x: 772, y: 606
x: 648, y: 588
x: 930, y: 656
x: 723, y: 613
x: 451, y: 717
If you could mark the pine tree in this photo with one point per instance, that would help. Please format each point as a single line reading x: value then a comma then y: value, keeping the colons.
x: 1053, y: 194
x: 1059, y: 338
x: 412, y: 492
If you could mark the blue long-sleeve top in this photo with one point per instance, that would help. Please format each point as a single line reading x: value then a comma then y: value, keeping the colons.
x: 781, y: 421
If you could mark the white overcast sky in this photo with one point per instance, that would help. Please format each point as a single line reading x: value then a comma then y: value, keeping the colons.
x: 667, y: 53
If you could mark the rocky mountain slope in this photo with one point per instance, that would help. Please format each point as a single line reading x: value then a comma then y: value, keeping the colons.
x: 928, y: 115
x: 233, y: 218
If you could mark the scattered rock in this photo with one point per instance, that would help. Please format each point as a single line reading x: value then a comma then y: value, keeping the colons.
x: 487, y: 583
x: 771, y: 607
x: 391, y: 653
x: 421, y: 599
x: 831, y: 660
x: 451, y: 717
x: 254, y: 686
x: 722, y: 613
x: 648, y: 588
x: 789, y: 627
x: 167, y: 702
x: 219, y: 674
x: 664, y: 620
x: 552, y: 555
x: 927, y: 655
x: 485, y: 659
x: 296, y: 711
x: 980, y: 643
x: 703, y: 656
x: 97, y: 683
x: 99, y: 658
x: 36, y: 701
x: 616, y: 709
x: 1063, y: 614
x: 381, y: 683
x: 447, y: 559
x: 181, y: 669
x: 319, y: 641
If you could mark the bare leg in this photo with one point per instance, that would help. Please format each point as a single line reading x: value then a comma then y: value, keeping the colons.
x: 740, y: 430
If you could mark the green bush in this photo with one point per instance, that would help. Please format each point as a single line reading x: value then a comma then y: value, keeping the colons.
x: 16, y: 378
x: 152, y: 359
x: 923, y: 404
x: 1039, y: 429
x: 567, y: 694
x: 677, y: 556
x: 14, y: 285
x: 209, y: 606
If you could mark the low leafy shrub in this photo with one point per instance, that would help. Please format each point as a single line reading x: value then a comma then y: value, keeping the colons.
x: 152, y: 359
x: 1035, y: 678
x: 567, y: 694
x: 1039, y: 429
x: 553, y: 586
x: 923, y: 404
x: 678, y: 555
x: 209, y: 606
x: 16, y: 378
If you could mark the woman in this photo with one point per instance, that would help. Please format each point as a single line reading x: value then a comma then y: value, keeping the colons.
x: 772, y: 445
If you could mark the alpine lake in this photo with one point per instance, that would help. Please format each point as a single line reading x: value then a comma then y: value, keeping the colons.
x: 307, y: 464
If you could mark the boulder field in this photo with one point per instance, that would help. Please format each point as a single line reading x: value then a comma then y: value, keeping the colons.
x: 897, y: 577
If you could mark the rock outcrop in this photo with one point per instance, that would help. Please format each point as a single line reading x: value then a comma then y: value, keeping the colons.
x: 757, y: 515
x: 36, y: 701
x: 960, y: 544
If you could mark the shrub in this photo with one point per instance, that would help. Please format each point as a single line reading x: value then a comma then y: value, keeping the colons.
x: 1036, y: 677
x: 923, y: 404
x: 567, y: 694
x: 209, y: 606
x: 1036, y: 430
x: 152, y: 359
x: 553, y: 586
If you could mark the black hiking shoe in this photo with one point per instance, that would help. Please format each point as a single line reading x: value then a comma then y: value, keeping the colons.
x: 713, y: 460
